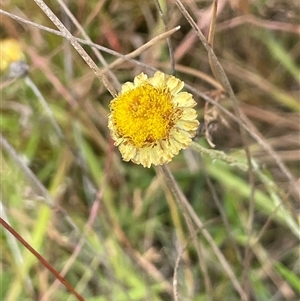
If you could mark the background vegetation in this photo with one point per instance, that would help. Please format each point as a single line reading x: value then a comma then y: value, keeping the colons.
x: 115, y: 230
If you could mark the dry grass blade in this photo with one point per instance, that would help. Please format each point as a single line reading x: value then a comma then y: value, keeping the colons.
x: 183, y: 203
x: 77, y: 46
x: 213, y: 224
x: 226, y: 84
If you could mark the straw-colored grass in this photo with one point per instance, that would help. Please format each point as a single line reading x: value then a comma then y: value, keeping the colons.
x: 216, y: 223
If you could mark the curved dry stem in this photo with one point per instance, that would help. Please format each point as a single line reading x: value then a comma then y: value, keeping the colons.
x: 87, y: 38
x: 279, y: 206
x: 143, y: 48
x: 121, y: 57
x: 77, y: 46
x: 34, y: 181
x: 226, y: 84
x: 183, y: 203
x: 171, y: 52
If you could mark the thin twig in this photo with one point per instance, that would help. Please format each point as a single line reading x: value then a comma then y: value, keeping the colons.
x: 44, y: 104
x: 253, y: 20
x: 77, y: 46
x: 62, y: 34
x: 122, y: 57
x: 171, y: 52
x: 268, y: 183
x: 143, y: 47
x: 211, y: 35
x: 183, y: 202
x: 219, y: 155
x: 87, y: 38
x: 15, y: 249
x: 35, y: 182
x: 222, y: 212
x: 226, y: 84
x: 221, y: 76
x: 41, y: 259
x: 175, y: 275
x: 254, y: 134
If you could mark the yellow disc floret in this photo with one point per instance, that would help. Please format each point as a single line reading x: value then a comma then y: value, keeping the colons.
x: 144, y: 115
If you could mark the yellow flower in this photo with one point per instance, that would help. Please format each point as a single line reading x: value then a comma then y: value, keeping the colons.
x: 10, y: 51
x: 151, y: 121
x: 12, y: 59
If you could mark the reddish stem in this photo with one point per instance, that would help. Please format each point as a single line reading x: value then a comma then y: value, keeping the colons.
x: 42, y: 260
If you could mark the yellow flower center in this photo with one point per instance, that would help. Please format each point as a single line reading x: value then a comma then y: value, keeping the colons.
x: 144, y: 114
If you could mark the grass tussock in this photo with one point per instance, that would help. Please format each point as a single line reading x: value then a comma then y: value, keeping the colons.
x: 220, y: 222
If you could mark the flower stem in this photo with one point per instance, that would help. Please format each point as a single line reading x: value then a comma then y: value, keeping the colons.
x: 219, y: 155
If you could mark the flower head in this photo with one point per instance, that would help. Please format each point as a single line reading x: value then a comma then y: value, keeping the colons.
x: 12, y: 59
x: 151, y: 120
